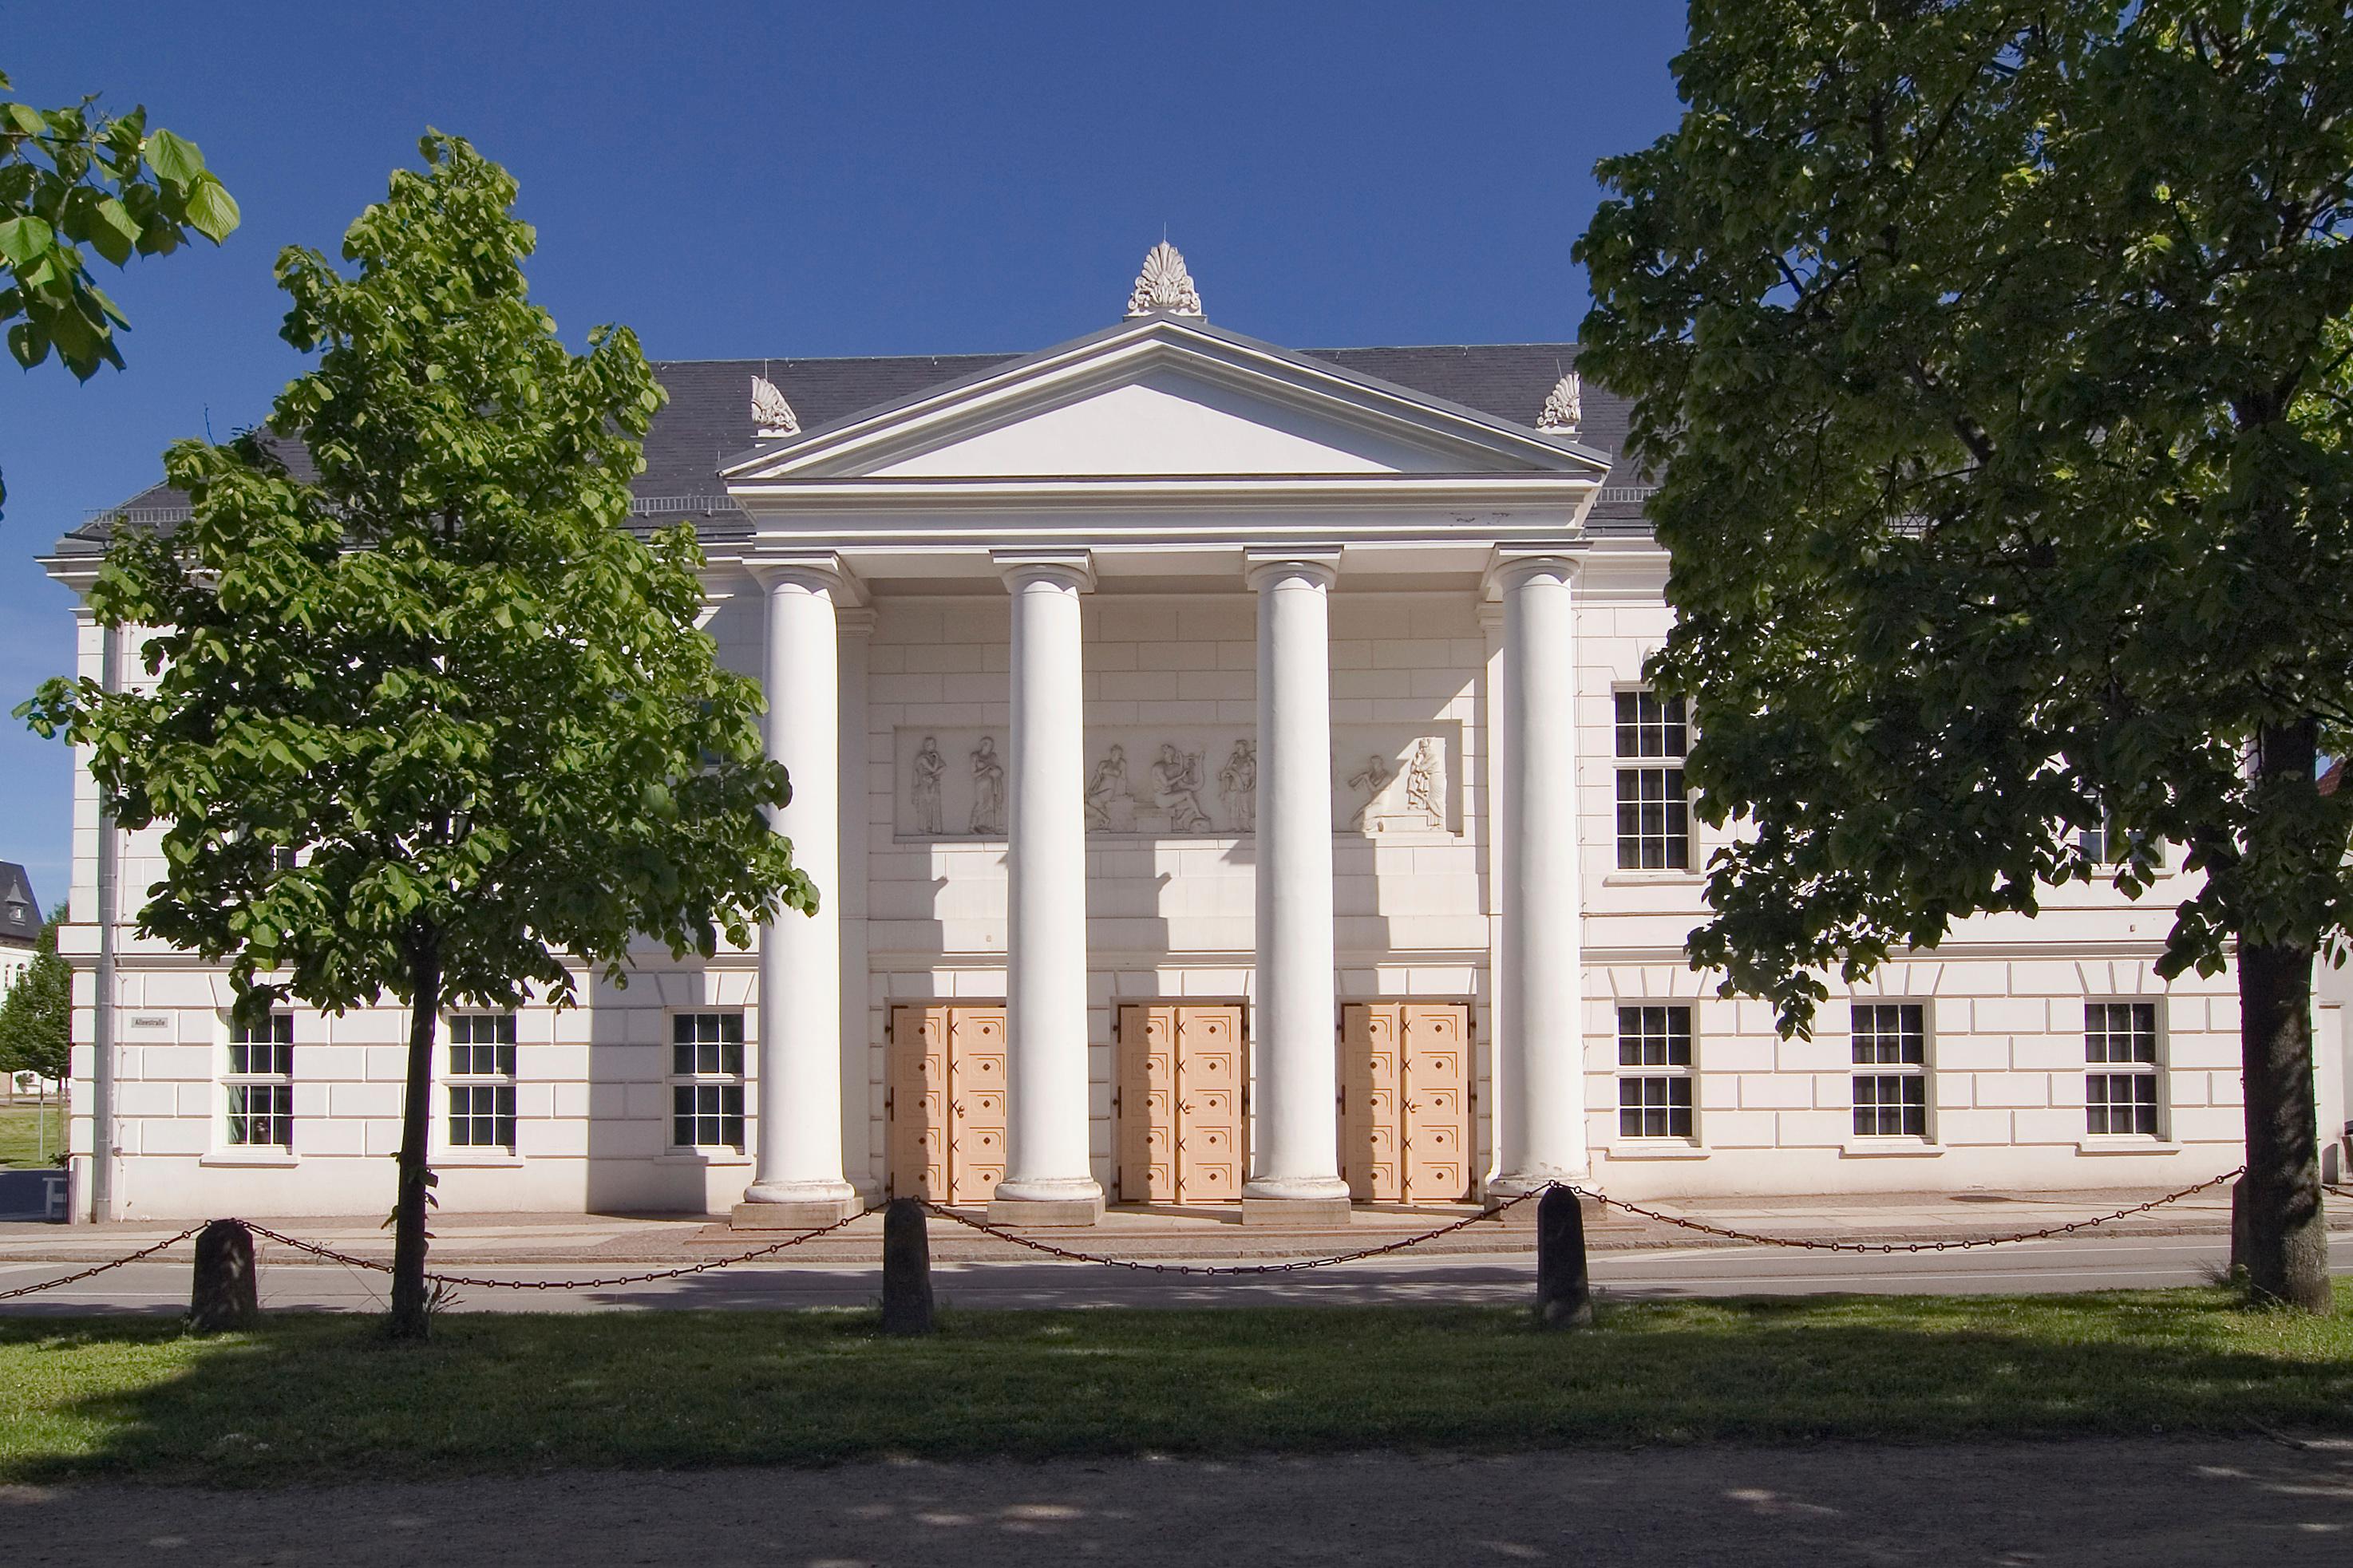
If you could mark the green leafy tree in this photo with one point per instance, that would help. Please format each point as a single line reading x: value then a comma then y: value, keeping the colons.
x: 1994, y: 359
x: 71, y: 178
x: 37, y: 1015
x: 437, y: 724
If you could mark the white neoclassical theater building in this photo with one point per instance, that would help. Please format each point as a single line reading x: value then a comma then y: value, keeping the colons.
x: 1229, y: 778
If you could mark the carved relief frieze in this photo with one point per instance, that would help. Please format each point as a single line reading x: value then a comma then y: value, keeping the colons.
x: 1179, y: 781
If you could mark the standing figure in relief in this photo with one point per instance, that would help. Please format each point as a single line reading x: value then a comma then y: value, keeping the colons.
x: 987, y: 790
x: 1176, y: 777
x: 1105, y: 784
x: 930, y: 768
x: 1421, y: 783
x: 1237, y: 786
x: 1372, y: 778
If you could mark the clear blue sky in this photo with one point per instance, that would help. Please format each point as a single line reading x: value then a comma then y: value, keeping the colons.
x: 824, y: 179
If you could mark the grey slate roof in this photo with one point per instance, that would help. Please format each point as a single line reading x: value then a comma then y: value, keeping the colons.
x: 708, y: 419
x: 20, y: 912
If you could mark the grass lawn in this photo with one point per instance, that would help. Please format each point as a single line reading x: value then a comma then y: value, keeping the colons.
x: 315, y: 1397
x: 19, y: 1142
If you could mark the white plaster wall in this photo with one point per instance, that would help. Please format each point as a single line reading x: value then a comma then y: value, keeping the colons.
x: 1173, y: 917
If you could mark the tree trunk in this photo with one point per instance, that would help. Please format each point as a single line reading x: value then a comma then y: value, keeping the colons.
x: 2281, y: 1237
x: 409, y: 1240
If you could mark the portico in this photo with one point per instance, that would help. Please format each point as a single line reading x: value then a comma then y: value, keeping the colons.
x: 1166, y: 467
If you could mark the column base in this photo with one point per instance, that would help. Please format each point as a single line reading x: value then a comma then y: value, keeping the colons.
x: 1059, y: 1210
x: 1298, y: 1214
x: 797, y: 1213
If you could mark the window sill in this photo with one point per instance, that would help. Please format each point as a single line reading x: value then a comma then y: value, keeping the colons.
x: 1890, y: 1149
x: 474, y: 1160
x: 1665, y: 1149
x: 1654, y: 879
x: 2125, y: 1143
x: 706, y: 1157
x: 250, y: 1158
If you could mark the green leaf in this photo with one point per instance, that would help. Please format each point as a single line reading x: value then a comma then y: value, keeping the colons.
x: 173, y: 158
x: 211, y: 211
x: 24, y: 239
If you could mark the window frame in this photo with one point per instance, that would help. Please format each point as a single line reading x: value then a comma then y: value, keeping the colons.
x: 727, y: 1090
x: 1646, y: 781
x: 1675, y: 1082
x: 239, y: 1082
x: 497, y: 1082
x: 1908, y: 1075
x: 2108, y: 1070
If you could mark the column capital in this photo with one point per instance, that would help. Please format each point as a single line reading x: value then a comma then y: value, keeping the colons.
x: 824, y: 573
x: 1072, y: 568
x: 1263, y: 566
x: 1507, y: 569
x: 855, y: 622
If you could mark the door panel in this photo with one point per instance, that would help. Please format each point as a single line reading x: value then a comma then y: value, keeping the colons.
x: 1208, y: 1104
x: 1436, y: 1103
x: 948, y: 1102
x: 1405, y: 1118
x: 1180, y: 1123
x: 975, y: 1103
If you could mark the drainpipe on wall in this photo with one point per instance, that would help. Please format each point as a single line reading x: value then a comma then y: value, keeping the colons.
x: 102, y: 1110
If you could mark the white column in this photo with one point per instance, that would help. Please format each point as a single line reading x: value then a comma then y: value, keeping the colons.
x: 859, y: 1163
x: 1295, y: 1153
x: 1539, y: 1012
x: 799, y: 1163
x: 1049, y: 1175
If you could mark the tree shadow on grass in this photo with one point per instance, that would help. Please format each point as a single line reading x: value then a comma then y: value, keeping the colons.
x: 322, y: 1398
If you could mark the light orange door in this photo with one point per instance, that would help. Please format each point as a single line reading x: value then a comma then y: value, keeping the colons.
x: 948, y: 1102
x: 1180, y: 1126
x: 1372, y: 1065
x: 919, y: 1102
x: 975, y: 1103
x: 1436, y: 1102
x: 1405, y: 1119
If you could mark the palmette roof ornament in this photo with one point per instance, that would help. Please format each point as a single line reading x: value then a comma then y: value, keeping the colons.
x: 771, y: 415
x: 1564, y: 410
x: 1164, y: 287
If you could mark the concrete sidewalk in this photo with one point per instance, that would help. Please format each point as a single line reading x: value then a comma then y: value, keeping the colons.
x: 1199, y: 1234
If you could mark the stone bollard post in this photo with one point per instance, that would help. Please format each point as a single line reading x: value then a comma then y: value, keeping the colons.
x: 226, y: 1293
x: 1564, y: 1291
x: 906, y: 1269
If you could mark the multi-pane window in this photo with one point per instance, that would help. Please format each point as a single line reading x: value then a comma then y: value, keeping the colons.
x: 483, y: 1081
x: 1654, y: 1072
x: 707, y: 1080
x: 2120, y: 1047
x: 1890, y: 1084
x: 1653, y: 811
x: 260, y: 1083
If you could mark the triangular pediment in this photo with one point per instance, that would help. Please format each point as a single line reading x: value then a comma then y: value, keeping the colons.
x: 1165, y: 399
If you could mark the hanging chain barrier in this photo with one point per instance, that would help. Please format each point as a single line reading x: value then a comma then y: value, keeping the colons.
x: 102, y: 1268
x: 1964, y: 1244
x: 605, y: 1283
x: 1146, y: 1265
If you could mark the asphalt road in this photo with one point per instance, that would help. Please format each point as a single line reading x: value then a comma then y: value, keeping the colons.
x: 2129, y: 1503
x: 2082, y: 1264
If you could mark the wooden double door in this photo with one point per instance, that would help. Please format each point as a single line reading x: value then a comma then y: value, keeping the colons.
x: 1180, y: 1103
x: 947, y: 1101
x: 1404, y: 1101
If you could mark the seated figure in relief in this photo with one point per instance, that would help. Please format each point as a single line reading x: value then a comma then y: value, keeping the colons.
x: 1177, y: 782
x: 1373, y: 778
x: 1237, y: 786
